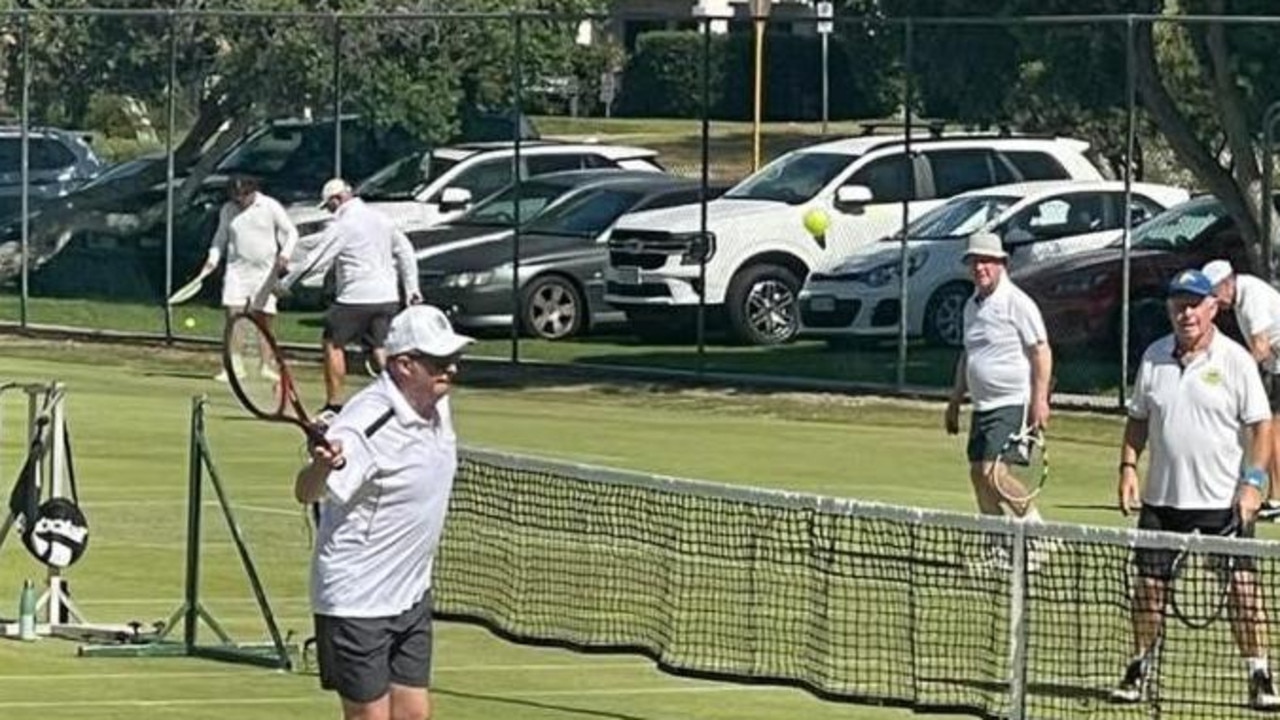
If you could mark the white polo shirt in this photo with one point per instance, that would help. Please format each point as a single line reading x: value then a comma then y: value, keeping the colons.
x: 998, y: 330
x: 251, y: 239
x: 368, y: 254
x: 383, y: 512
x: 1196, y: 418
x: 1257, y: 309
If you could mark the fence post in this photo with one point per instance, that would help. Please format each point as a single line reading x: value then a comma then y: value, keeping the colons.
x: 170, y: 119
x: 908, y: 89
x: 517, y: 110
x: 1130, y: 71
x: 337, y: 95
x: 25, y: 283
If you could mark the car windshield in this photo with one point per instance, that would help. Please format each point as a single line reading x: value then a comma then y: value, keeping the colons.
x: 960, y: 217
x: 586, y: 214
x: 1177, y: 227
x: 402, y: 179
x: 792, y: 178
x: 499, y: 210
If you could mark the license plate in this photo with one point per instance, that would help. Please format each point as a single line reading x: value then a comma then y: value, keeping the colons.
x: 627, y: 275
x: 822, y: 304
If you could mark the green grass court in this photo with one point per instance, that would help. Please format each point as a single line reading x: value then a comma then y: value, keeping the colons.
x: 129, y: 407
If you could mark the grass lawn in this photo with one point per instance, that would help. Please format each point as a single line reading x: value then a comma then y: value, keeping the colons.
x: 129, y: 409
x: 805, y: 359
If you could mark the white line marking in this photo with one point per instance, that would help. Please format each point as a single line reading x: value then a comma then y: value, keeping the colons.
x: 325, y: 698
x: 149, y: 676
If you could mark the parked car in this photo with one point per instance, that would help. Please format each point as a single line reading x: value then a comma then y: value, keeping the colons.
x: 428, y: 188
x: 1080, y: 296
x: 58, y: 162
x: 760, y: 253
x: 1037, y: 221
x: 491, y: 219
x: 563, y: 255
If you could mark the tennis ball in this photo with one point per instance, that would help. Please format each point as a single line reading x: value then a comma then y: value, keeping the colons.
x: 190, y: 322
x: 816, y: 222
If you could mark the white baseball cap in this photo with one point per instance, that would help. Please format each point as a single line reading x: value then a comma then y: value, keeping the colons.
x: 1217, y: 271
x: 333, y: 188
x: 424, y: 329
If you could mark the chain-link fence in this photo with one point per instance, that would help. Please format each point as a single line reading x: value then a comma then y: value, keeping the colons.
x: 635, y: 232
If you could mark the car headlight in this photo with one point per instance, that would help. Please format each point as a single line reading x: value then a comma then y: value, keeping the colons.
x: 1079, y: 283
x: 886, y: 273
x: 468, y: 279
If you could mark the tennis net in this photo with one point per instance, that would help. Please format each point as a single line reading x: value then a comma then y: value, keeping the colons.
x: 851, y: 601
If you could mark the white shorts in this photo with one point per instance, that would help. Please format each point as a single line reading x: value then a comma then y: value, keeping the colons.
x: 239, y: 289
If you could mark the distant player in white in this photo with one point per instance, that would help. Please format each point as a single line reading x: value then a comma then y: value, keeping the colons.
x: 1257, y: 311
x: 1198, y: 404
x: 256, y: 238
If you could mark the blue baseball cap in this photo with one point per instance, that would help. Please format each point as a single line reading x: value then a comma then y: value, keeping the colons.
x: 1191, y: 282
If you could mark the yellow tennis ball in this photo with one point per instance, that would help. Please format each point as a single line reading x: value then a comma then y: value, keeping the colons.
x: 190, y: 322
x: 816, y: 222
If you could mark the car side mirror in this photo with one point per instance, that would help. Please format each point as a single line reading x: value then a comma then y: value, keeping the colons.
x: 853, y: 195
x: 454, y: 198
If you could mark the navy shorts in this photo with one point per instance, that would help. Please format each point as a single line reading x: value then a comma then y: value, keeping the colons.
x: 1271, y: 382
x: 1158, y: 564
x: 361, y: 657
x: 991, y: 428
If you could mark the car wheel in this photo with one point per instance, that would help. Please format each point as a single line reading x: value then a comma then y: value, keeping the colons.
x: 762, y: 305
x: 552, y: 308
x: 944, y: 314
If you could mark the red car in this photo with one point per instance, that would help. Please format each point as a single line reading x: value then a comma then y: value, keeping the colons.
x: 1080, y: 295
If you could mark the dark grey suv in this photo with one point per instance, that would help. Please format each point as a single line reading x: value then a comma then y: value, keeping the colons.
x: 58, y: 162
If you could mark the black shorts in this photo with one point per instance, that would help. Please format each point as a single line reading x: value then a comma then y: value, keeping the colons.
x: 1271, y: 382
x: 367, y: 324
x: 1155, y: 563
x: 361, y: 657
x: 989, y: 430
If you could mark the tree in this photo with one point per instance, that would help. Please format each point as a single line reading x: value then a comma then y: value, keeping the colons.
x: 1201, y: 85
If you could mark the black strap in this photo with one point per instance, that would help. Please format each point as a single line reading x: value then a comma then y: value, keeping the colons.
x: 71, y: 465
x: 377, y: 425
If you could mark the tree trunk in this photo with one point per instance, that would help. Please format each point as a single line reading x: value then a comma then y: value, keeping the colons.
x: 1190, y: 150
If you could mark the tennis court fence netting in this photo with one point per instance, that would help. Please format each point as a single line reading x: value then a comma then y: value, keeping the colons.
x: 852, y: 601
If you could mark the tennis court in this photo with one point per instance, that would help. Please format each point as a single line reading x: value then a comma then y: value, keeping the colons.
x: 129, y: 409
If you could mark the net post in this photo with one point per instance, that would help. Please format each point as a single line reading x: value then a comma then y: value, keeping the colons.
x: 1018, y: 623
x: 195, y: 466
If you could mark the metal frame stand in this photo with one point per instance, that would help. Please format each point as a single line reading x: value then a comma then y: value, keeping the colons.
x: 57, y: 614
x: 276, y: 654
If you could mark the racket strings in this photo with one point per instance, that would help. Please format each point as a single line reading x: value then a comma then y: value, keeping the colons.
x: 1021, y: 468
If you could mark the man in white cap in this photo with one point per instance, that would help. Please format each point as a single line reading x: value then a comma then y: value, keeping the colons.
x: 372, y: 261
x: 1257, y: 310
x: 1005, y: 367
x: 256, y: 237
x: 384, y: 484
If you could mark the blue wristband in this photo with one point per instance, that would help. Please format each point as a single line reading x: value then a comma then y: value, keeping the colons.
x: 1254, y: 477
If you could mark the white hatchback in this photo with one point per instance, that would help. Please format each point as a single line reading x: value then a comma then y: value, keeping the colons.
x: 1037, y: 221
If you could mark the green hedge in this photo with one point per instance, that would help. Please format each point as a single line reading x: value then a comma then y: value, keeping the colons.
x: 663, y: 77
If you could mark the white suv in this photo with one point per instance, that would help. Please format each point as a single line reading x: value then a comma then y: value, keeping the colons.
x: 860, y: 297
x: 758, y: 252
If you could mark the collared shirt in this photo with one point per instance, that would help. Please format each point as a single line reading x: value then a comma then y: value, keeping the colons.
x: 1257, y: 309
x: 368, y: 252
x: 251, y: 238
x: 1196, y: 417
x: 383, y: 512
x: 998, y: 330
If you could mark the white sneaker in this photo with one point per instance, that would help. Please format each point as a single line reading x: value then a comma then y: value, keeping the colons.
x: 222, y: 376
x: 991, y: 559
x: 269, y: 373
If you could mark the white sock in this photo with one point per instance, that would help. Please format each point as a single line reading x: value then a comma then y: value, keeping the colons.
x: 1257, y: 663
x: 1033, y: 515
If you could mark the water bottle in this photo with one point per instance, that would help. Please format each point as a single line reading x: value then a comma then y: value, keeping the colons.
x: 27, y: 612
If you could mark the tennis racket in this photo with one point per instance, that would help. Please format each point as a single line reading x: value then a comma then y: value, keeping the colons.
x: 188, y: 291
x: 1021, y: 469
x: 261, y: 379
x: 1200, y: 583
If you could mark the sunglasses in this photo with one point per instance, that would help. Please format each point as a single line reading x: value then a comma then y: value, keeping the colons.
x: 435, y: 364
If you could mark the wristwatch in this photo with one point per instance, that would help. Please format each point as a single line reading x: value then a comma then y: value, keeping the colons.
x: 1254, y: 477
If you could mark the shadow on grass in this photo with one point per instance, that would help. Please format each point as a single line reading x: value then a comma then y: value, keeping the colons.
x: 523, y: 703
